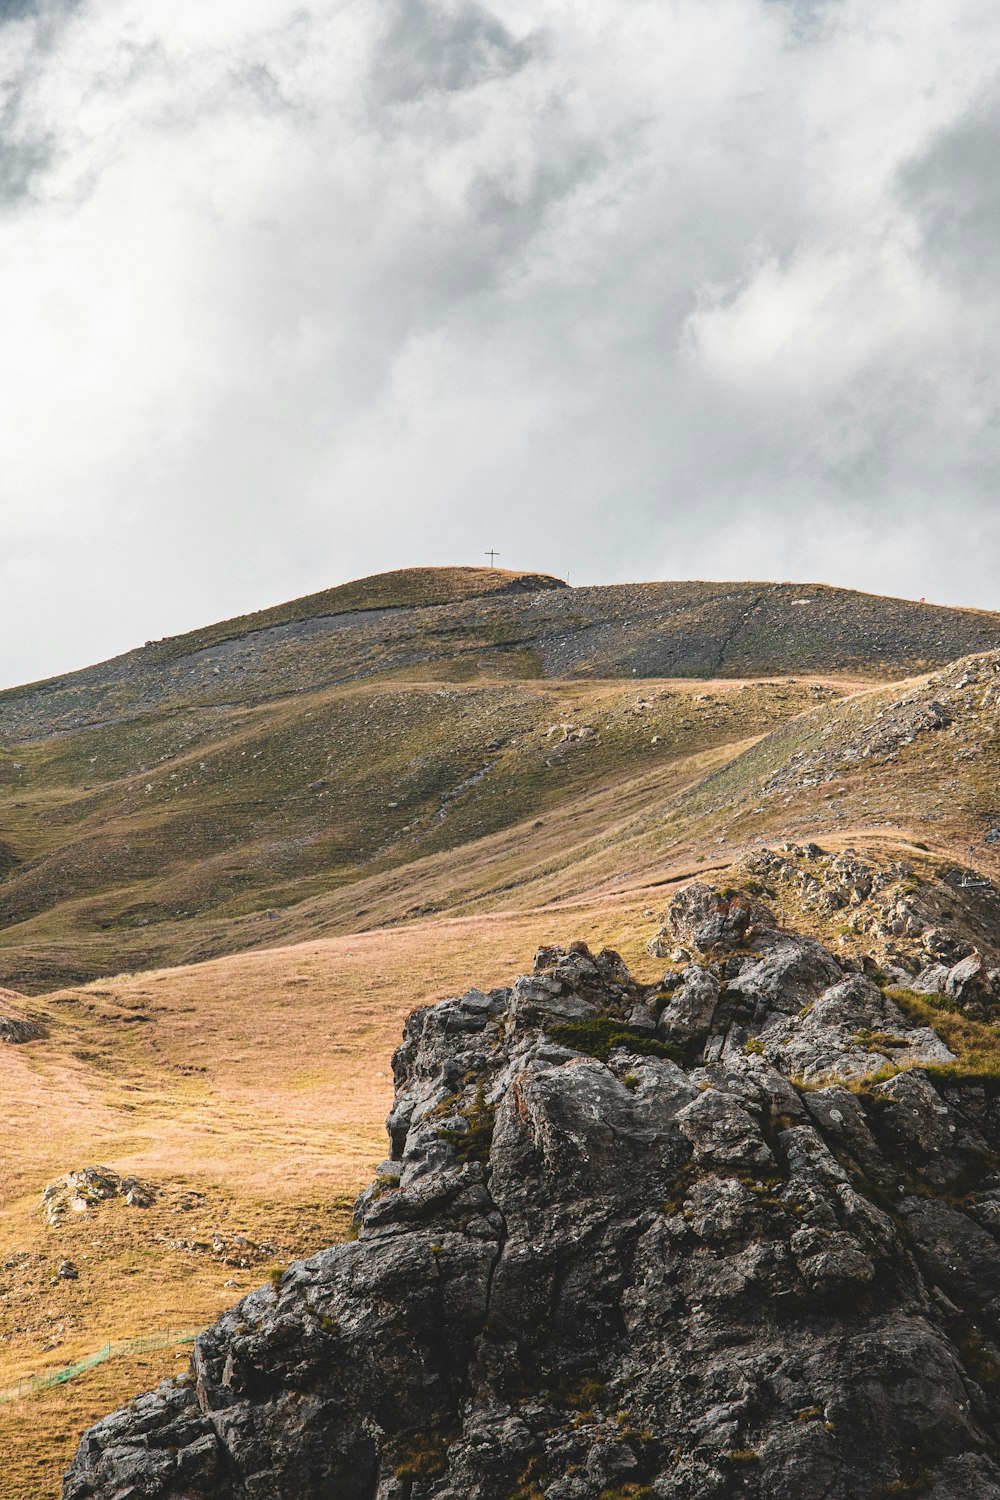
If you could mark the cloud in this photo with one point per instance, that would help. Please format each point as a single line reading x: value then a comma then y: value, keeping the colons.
x: 296, y: 293
x: 426, y: 48
x: 29, y: 31
x: 953, y: 192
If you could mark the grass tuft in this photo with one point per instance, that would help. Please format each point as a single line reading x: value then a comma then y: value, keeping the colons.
x: 598, y: 1037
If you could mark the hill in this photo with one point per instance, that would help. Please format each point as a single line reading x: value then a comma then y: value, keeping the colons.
x: 425, y: 624
x: 272, y: 777
x: 222, y: 892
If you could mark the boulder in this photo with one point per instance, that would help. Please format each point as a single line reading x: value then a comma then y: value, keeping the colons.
x: 971, y: 985
x: 710, y: 922
x: 17, y: 1031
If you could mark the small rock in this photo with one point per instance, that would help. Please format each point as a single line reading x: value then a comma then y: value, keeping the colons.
x: 17, y: 1031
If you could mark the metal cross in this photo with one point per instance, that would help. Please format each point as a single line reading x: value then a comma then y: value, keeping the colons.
x: 491, y: 554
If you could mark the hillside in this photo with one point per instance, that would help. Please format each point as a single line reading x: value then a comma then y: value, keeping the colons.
x: 219, y: 909
x: 308, y: 769
x: 183, y: 835
x: 344, y: 810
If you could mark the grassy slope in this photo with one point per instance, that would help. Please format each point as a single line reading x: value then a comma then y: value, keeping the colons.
x: 861, y: 765
x: 809, y: 778
x: 284, y: 827
x: 179, y: 836
x: 271, y: 822
x: 273, y: 1110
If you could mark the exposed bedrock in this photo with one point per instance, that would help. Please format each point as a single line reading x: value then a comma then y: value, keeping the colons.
x: 630, y: 1242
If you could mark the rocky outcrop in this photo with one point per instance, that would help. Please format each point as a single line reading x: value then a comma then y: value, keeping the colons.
x: 78, y: 1192
x: 16, y: 1027
x: 16, y: 1031
x: 907, y: 923
x: 701, y: 1239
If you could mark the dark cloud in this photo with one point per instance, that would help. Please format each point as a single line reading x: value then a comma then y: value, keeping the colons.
x: 428, y: 46
x: 953, y: 190
x: 27, y: 145
x: 20, y: 162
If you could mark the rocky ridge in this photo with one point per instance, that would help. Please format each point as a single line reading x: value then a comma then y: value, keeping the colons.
x: 735, y: 1234
x: 534, y: 626
x: 962, y: 702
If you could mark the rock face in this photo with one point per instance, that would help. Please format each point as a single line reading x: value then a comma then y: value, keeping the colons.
x: 620, y: 1252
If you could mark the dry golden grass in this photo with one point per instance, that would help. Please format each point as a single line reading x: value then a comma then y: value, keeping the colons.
x: 260, y: 1082
x: 38, y: 1440
x: 315, y: 813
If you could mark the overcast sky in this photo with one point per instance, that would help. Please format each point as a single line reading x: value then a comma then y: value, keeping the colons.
x: 623, y: 288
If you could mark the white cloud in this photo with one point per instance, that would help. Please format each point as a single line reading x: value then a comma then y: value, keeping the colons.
x: 294, y: 293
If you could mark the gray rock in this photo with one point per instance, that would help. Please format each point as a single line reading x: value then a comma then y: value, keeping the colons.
x: 17, y: 1031
x: 81, y: 1191
x: 690, y: 1009
x: 969, y: 983
x: 579, y: 1278
x: 710, y: 922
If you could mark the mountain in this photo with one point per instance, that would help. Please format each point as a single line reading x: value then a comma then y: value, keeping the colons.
x: 222, y: 893
x: 312, y: 768
x: 732, y: 1234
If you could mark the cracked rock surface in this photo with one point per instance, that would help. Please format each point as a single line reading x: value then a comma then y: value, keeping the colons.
x: 631, y: 1243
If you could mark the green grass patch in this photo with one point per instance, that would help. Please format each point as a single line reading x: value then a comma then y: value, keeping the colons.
x: 976, y: 1044
x: 473, y: 1144
x: 600, y: 1035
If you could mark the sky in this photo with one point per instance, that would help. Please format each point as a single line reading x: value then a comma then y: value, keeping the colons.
x: 625, y: 289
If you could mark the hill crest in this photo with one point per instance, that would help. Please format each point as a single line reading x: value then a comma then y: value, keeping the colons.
x: 460, y: 624
x: 401, y: 588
